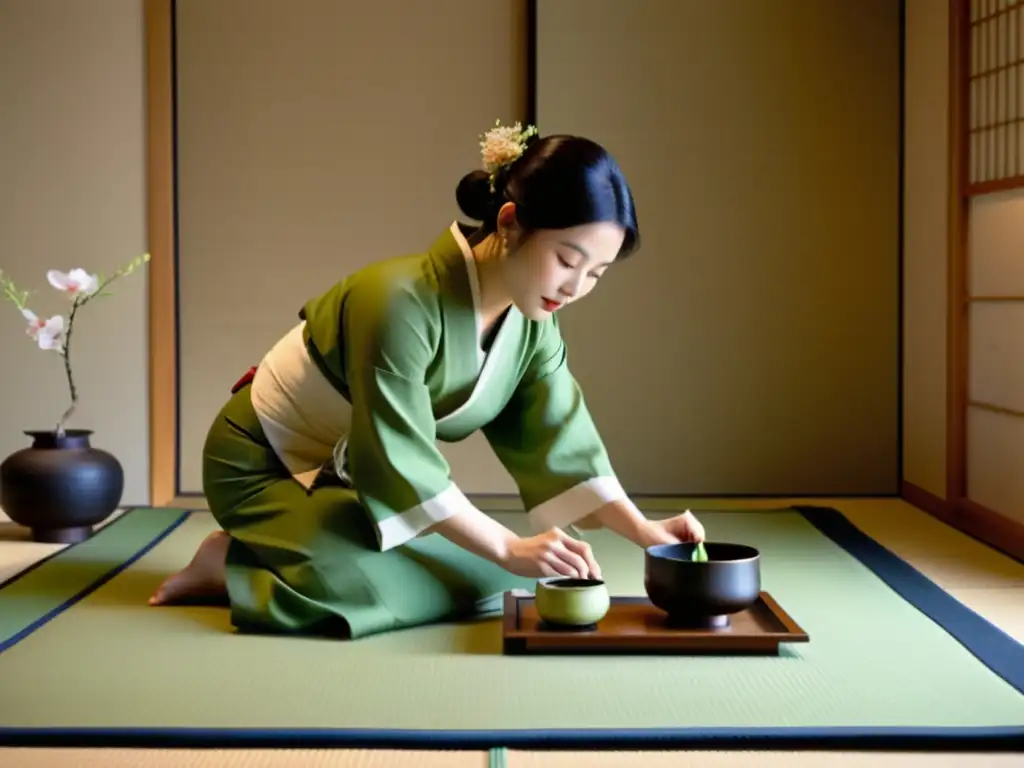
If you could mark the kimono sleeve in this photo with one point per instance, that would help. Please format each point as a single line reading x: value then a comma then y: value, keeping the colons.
x: 391, y: 455
x: 546, y: 439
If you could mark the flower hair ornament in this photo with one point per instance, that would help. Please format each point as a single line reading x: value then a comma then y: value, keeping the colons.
x: 503, y: 145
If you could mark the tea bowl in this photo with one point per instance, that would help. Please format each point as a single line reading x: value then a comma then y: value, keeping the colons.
x: 702, y: 594
x: 570, y: 603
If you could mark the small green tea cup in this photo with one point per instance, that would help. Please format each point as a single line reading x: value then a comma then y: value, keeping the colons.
x: 569, y: 602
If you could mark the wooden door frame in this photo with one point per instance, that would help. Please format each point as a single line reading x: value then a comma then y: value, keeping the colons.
x: 957, y: 509
x: 161, y: 223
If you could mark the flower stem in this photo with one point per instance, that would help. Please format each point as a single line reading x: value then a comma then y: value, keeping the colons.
x: 81, y: 301
x: 66, y: 354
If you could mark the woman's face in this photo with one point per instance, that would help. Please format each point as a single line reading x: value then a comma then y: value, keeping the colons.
x: 555, y: 267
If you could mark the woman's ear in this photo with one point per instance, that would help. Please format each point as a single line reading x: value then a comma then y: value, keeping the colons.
x: 508, y: 228
x: 507, y: 220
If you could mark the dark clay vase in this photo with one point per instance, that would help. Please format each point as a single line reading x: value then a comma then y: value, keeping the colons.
x: 60, y: 487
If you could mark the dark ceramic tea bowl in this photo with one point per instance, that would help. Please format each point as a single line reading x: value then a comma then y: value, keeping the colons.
x: 702, y: 594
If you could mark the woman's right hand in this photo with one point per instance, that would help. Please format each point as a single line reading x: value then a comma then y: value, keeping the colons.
x: 552, y: 553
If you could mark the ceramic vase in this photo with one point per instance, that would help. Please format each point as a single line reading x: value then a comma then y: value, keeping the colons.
x: 60, y: 487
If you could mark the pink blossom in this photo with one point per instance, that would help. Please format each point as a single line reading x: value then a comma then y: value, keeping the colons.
x: 76, y: 282
x: 48, y: 334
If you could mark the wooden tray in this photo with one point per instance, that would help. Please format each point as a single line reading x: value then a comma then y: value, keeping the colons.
x: 634, y: 626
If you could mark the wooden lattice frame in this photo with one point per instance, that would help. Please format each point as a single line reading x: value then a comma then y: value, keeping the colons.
x: 994, y: 47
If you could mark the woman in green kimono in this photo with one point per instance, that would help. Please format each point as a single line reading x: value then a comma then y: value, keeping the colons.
x: 338, y: 512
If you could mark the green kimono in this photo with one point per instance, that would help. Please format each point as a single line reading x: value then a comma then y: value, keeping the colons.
x: 324, y: 468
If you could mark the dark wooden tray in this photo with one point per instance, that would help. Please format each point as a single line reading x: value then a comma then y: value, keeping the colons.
x: 634, y: 626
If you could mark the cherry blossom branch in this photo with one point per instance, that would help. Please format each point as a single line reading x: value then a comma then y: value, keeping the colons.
x: 51, y: 333
x: 81, y: 298
x: 66, y: 354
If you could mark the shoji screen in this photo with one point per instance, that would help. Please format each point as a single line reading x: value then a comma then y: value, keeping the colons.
x: 996, y: 95
x: 995, y: 259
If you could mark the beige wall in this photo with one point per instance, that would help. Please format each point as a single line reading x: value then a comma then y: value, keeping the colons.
x: 73, y: 161
x: 294, y: 171
x: 925, y: 243
x: 73, y: 194
x: 751, y: 347
x: 763, y: 308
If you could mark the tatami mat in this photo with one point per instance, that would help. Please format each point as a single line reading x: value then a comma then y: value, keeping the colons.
x: 298, y: 758
x: 757, y: 760
x: 237, y: 758
x: 986, y: 581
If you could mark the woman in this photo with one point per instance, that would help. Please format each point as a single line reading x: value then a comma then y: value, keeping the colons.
x: 338, y: 511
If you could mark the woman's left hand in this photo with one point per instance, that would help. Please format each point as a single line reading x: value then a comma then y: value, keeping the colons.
x: 685, y: 527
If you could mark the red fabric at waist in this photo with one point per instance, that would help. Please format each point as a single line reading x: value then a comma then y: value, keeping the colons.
x: 246, y: 379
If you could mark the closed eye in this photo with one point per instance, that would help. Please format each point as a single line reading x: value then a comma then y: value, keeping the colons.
x: 568, y: 265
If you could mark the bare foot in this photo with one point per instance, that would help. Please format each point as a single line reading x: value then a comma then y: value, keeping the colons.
x: 202, y: 579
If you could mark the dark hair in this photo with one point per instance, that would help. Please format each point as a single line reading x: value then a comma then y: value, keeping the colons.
x: 558, y: 182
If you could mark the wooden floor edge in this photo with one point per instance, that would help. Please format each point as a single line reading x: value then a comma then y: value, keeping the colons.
x: 991, y: 528
x: 926, y: 501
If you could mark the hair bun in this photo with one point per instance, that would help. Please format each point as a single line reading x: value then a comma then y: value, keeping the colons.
x: 474, y: 195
